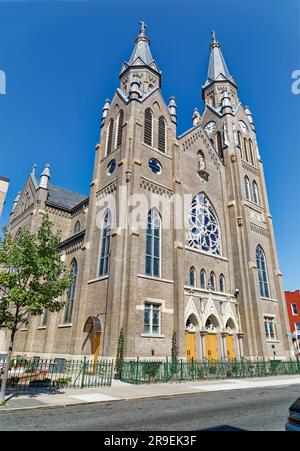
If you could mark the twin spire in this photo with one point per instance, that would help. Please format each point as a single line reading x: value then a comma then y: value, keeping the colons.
x: 217, y: 69
x: 142, y: 56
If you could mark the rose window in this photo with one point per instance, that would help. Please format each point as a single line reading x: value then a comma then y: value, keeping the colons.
x: 204, y: 231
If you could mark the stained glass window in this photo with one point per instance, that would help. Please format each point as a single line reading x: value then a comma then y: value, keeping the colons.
x: 203, y: 279
x: 192, y: 277
x: 105, y: 245
x: 152, y: 319
x: 262, y: 273
x: 71, y: 293
x: 204, y: 233
x: 153, y: 244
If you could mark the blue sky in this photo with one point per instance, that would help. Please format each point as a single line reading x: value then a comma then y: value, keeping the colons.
x: 62, y: 59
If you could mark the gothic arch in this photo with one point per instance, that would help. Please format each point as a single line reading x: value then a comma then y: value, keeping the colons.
x: 213, y: 323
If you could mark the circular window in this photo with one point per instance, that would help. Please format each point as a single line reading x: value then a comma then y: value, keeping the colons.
x: 111, y: 167
x: 155, y: 166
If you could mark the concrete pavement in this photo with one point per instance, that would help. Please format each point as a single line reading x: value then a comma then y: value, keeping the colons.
x: 123, y: 391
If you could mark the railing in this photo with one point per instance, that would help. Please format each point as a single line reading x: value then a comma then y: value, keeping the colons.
x: 37, y: 373
x: 143, y: 372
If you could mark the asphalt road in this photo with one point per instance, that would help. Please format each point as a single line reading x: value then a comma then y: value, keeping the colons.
x: 262, y: 409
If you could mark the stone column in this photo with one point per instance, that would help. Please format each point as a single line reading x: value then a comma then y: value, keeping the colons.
x: 224, y: 344
x: 240, y: 337
x: 203, y: 334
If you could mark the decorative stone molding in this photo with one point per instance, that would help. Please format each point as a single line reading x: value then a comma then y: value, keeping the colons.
x: 252, y: 265
x: 155, y: 188
x: 233, y: 158
x: 250, y: 168
x: 240, y: 221
x: 109, y: 189
x: 57, y: 212
x: 260, y: 230
x: 137, y: 162
x: 178, y: 245
x: 116, y: 232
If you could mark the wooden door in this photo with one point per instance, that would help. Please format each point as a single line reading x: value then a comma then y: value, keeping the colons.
x: 230, y: 347
x: 96, y: 346
x: 190, y: 345
x: 211, y: 347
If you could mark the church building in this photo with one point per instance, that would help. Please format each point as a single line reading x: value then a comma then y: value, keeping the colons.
x: 203, y: 265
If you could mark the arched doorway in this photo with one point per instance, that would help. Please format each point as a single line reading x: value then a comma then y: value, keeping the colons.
x: 93, y: 328
x: 212, y: 327
x: 191, y: 328
x: 230, y: 328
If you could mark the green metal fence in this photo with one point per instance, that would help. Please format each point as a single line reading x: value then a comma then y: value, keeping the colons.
x: 143, y: 372
x: 37, y: 373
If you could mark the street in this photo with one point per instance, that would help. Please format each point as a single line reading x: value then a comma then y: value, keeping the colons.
x: 263, y: 409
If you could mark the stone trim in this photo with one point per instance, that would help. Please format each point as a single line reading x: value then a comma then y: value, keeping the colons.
x: 155, y: 188
x: 258, y: 229
x: 192, y: 249
x: 98, y: 279
x: 157, y: 279
x: 248, y: 167
x: 153, y: 336
x: 106, y: 190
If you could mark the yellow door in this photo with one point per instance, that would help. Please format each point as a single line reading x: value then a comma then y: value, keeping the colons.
x: 230, y: 347
x: 190, y: 346
x: 96, y: 347
x: 211, y: 347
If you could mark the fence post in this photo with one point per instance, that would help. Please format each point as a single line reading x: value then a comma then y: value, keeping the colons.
x: 137, y: 370
x: 83, y: 373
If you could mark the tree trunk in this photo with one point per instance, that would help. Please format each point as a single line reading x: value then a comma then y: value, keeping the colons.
x: 4, y: 379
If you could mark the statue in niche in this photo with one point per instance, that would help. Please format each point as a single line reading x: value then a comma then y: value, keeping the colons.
x: 203, y: 174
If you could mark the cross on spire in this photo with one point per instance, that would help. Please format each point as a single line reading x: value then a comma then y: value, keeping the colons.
x: 143, y: 28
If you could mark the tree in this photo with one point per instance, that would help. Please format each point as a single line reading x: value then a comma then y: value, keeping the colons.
x: 174, y: 354
x: 32, y: 277
x: 120, y: 353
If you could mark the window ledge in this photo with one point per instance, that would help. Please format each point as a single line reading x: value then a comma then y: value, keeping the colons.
x: 153, y: 336
x: 158, y: 279
x: 98, y: 279
x: 160, y: 152
x: 268, y: 299
x: 269, y: 340
x: 63, y: 326
x: 42, y: 328
x: 192, y: 249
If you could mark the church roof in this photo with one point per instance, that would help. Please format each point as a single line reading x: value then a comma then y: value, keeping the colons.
x: 217, y: 69
x: 64, y: 198
x: 141, y: 55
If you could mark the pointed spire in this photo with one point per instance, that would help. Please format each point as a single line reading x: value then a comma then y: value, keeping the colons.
x: 217, y: 69
x: 172, y: 107
x: 141, y: 55
x: 105, y: 110
x: 45, y: 177
x: 196, y: 117
x: 17, y: 198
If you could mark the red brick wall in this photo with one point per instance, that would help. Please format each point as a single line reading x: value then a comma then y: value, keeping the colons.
x: 293, y: 297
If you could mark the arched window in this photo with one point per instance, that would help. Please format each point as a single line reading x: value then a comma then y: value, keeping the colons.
x: 247, y: 188
x: 222, y: 283
x: 162, y: 134
x: 246, y: 150
x: 251, y: 152
x: 105, y: 245
x: 204, y: 233
x: 192, y: 277
x: 220, y: 145
x: 71, y: 294
x: 120, y: 128
x: 153, y: 243
x: 148, y: 127
x: 109, y: 137
x: 262, y: 272
x: 212, y: 281
x: 77, y: 227
x: 255, y: 193
x: 240, y: 143
x: 203, y: 279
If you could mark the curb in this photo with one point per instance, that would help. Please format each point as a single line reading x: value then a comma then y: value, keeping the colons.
x: 76, y: 404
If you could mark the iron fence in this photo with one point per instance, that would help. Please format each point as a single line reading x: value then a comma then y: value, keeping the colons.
x: 143, y: 372
x: 37, y: 373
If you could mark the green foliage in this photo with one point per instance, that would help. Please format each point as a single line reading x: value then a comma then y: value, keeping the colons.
x: 174, y: 349
x: 32, y: 275
x: 120, y: 353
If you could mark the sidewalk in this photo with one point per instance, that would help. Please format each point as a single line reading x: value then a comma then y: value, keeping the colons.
x: 122, y: 391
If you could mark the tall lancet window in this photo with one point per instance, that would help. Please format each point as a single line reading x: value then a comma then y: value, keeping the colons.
x: 240, y: 143
x: 247, y: 188
x: 246, y: 150
x: 153, y: 237
x: 220, y: 145
x: 162, y: 134
x: 204, y: 230
x: 120, y: 128
x: 212, y: 281
x: 109, y: 137
x: 105, y: 245
x: 192, y: 277
x: 255, y: 193
x: 251, y: 152
x: 71, y: 294
x: 262, y: 272
x: 148, y: 127
x: 203, y: 279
